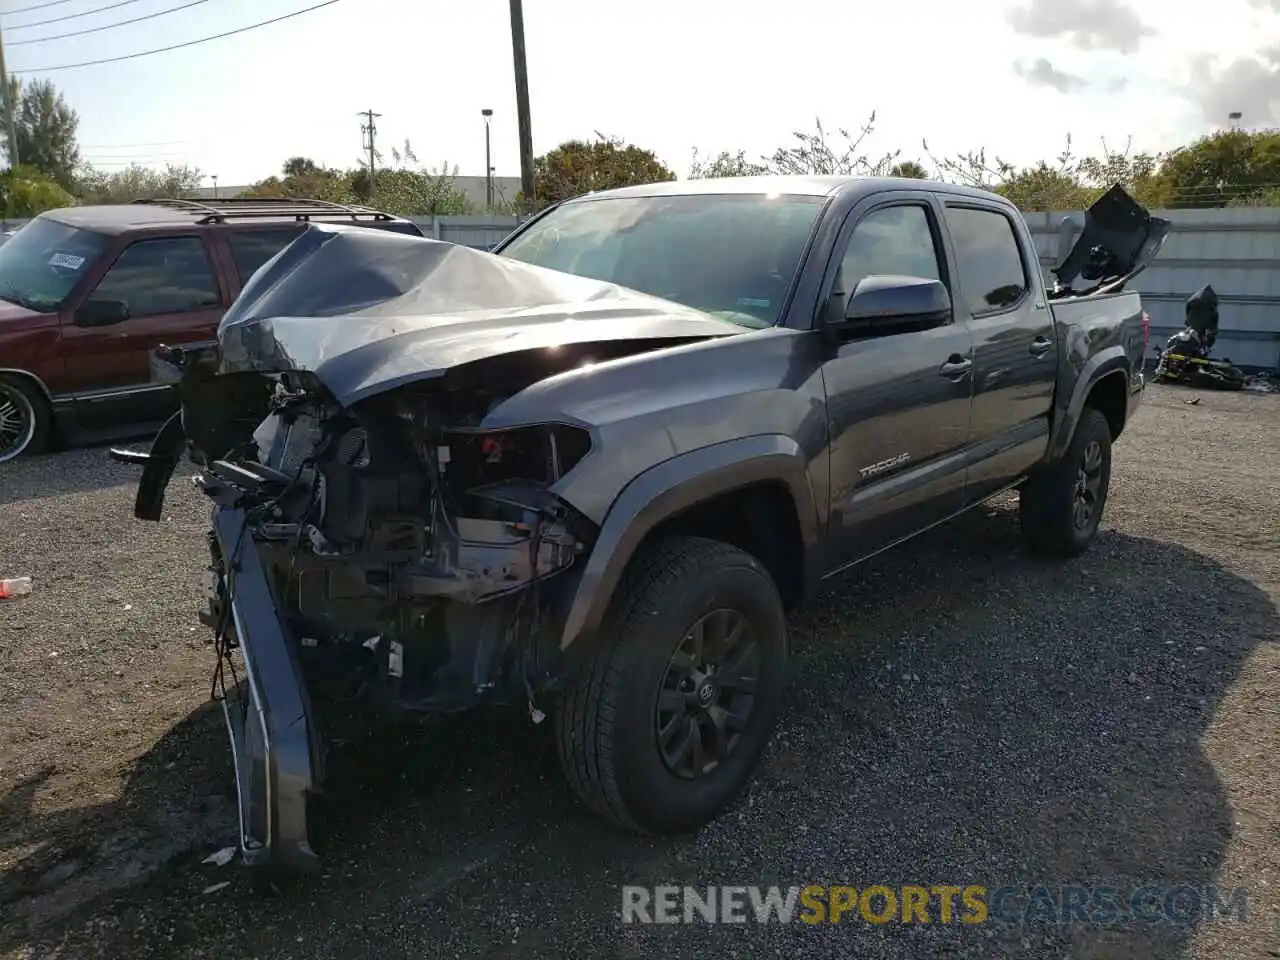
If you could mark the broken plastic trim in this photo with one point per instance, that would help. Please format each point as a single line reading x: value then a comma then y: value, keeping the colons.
x: 274, y: 742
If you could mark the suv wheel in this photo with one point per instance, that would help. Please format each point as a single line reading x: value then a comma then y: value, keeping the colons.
x: 667, y: 721
x: 1060, y: 508
x: 24, y: 419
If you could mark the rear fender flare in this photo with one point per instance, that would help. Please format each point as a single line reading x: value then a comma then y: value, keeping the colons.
x: 1113, y: 361
x: 674, y: 485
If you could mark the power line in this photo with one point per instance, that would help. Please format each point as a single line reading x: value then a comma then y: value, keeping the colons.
x: 176, y: 46
x: 73, y: 16
x: 111, y: 26
x: 38, y: 6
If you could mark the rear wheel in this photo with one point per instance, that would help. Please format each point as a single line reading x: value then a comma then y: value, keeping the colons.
x: 1060, y: 508
x: 665, y: 725
x: 24, y: 418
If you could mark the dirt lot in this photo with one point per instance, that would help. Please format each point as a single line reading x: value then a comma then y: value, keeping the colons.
x: 958, y: 714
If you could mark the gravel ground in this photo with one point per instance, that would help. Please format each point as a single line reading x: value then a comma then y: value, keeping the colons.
x: 959, y: 714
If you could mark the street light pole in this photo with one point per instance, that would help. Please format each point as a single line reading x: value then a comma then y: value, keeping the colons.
x: 488, y: 163
x: 522, y: 104
x: 214, y: 177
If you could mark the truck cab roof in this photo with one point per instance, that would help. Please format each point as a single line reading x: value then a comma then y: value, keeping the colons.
x: 812, y: 186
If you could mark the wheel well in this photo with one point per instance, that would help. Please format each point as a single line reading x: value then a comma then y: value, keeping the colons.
x: 1110, y: 397
x: 30, y: 379
x: 760, y: 519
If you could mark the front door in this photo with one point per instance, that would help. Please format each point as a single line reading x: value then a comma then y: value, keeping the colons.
x: 898, y: 404
x: 171, y: 293
x: 1015, y: 356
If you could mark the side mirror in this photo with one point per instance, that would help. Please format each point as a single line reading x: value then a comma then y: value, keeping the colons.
x: 881, y: 305
x: 101, y: 313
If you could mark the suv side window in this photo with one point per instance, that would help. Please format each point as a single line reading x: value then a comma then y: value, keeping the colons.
x: 988, y: 259
x: 894, y: 240
x: 166, y: 275
x: 252, y: 248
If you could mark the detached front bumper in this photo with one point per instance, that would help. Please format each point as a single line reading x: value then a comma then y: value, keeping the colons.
x: 275, y: 746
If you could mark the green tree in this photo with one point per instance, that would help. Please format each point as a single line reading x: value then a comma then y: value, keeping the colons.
x: 45, y: 127
x: 28, y: 192
x: 725, y: 164
x: 910, y: 170
x: 1222, y: 168
x: 136, y: 182
x: 299, y: 167
x: 579, y: 167
x: 307, y: 183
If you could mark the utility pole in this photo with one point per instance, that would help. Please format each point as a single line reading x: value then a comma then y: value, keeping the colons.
x: 10, y: 108
x: 370, y: 131
x: 522, y: 104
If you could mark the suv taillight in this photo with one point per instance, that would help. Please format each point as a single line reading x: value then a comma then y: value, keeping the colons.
x: 1146, y: 331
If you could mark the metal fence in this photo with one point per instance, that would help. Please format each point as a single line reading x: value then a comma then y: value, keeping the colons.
x: 1236, y: 249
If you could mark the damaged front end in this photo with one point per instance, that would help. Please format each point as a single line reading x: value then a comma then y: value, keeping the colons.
x: 373, y: 545
x: 393, y: 557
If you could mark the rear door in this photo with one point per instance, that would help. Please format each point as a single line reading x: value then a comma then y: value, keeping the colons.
x: 899, y: 403
x: 173, y: 295
x: 250, y: 248
x: 997, y: 298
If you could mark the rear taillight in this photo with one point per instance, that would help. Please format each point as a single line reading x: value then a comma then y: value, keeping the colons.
x: 1146, y: 331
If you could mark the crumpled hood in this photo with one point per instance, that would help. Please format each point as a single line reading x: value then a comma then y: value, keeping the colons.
x: 367, y: 311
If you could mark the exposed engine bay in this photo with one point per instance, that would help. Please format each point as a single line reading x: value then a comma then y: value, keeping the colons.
x: 407, y: 547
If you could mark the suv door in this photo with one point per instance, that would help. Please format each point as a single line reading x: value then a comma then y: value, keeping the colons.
x: 171, y: 294
x: 1015, y: 364
x: 898, y: 408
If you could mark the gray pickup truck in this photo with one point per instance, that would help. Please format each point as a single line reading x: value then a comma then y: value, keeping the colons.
x: 589, y: 474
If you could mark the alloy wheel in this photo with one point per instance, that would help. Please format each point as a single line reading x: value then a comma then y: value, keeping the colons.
x: 1088, y: 486
x: 17, y: 422
x: 707, y: 694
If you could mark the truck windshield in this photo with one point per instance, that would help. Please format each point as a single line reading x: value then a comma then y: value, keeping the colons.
x: 42, y: 262
x: 732, y: 255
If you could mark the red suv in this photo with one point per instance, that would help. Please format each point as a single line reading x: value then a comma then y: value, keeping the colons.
x: 86, y: 293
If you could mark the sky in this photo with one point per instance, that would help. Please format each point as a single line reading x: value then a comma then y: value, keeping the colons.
x: 1014, y: 77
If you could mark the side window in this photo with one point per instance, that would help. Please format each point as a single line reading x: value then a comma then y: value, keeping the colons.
x: 252, y: 248
x: 892, y: 241
x: 169, y: 275
x: 988, y: 259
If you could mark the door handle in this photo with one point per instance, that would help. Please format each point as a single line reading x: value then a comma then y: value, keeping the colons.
x: 1040, y: 346
x: 955, y: 368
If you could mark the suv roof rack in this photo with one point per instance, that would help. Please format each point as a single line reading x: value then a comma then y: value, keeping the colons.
x: 220, y: 211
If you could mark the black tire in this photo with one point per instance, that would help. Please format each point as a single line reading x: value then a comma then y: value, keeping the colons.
x: 607, y: 722
x: 1049, y: 502
x: 25, y: 419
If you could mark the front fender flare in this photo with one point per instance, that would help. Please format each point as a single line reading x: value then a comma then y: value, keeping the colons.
x: 1111, y: 361
x: 674, y: 485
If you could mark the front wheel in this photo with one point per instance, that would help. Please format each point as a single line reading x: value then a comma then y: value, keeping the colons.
x: 1060, y: 507
x: 666, y: 723
x: 24, y: 419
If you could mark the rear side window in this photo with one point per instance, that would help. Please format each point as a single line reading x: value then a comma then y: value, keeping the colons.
x: 252, y: 248
x: 988, y: 259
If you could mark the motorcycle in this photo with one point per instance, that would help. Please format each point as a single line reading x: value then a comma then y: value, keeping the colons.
x: 1185, y: 359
